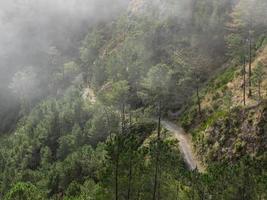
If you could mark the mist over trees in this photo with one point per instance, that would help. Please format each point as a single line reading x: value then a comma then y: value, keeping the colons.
x: 32, y: 27
x: 29, y: 32
x: 92, y: 92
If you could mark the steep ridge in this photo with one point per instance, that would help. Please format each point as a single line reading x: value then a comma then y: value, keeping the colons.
x: 228, y: 130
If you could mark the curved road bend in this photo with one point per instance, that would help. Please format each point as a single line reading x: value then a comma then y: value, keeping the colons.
x: 185, y: 145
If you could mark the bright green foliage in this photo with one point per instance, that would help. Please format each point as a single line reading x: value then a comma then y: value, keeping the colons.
x: 24, y: 191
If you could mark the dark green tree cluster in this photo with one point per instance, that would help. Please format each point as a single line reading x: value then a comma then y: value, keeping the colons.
x: 57, y: 153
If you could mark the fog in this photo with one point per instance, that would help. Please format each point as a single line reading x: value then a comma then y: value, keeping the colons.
x: 28, y: 28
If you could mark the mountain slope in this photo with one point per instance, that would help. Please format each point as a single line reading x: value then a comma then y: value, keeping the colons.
x: 96, y: 139
x: 228, y: 130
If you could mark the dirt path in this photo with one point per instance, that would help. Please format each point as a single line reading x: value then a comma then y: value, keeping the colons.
x: 185, y: 142
x: 185, y: 145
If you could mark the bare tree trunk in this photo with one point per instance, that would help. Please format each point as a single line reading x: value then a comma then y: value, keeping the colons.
x: 193, y: 186
x: 159, y: 186
x: 118, y: 152
x: 130, y: 167
x: 244, y: 82
x: 249, y: 70
x: 157, y: 155
x: 117, y: 169
x: 130, y: 180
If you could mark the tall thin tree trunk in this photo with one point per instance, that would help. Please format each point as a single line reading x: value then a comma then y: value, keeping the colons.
x: 158, y: 196
x: 118, y: 152
x: 193, y: 186
x: 157, y: 153
x: 130, y: 167
x: 244, y: 81
x: 130, y: 179
x: 249, y: 70
x: 117, y: 169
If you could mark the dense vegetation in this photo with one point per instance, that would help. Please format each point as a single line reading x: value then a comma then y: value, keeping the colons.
x: 91, y: 133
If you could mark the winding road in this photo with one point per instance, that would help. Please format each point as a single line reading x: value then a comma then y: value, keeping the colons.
x: 185, y: 145
x: 185, y: 141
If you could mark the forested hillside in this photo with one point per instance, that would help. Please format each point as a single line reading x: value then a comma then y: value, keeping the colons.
x: 88, y: 112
